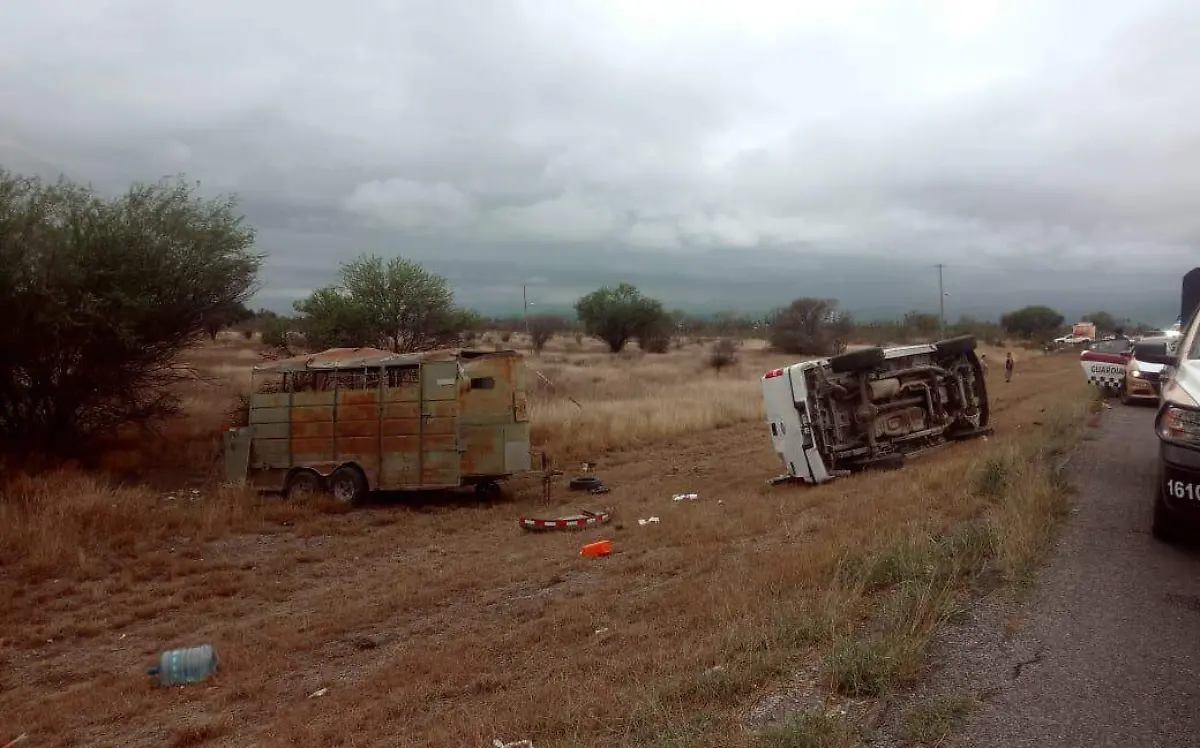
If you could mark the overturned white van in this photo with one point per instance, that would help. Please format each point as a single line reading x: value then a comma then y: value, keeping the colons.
x: 873, y: 407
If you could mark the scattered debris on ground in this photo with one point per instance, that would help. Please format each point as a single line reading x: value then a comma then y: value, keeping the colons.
x: 585, y: 483
x: 582, y: 520
x: 185, y: 666
x: 596, y: 549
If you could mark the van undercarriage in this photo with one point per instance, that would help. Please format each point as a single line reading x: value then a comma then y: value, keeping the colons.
x: 874, y: 407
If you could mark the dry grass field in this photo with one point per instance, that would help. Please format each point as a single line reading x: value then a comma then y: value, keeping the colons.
x: 436, y: 621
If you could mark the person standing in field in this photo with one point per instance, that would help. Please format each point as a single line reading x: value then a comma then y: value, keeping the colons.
x: 1008, y: 367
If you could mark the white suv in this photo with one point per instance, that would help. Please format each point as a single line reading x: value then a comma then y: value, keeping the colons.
x: 1177, y: 424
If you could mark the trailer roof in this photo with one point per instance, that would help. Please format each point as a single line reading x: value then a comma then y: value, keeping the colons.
x: 368, y: 358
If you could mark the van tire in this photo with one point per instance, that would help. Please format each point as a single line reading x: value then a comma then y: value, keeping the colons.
x: 866, y: 359
x: 1163, y: 526
x: 348, y: 485
x: 985, y: 414
x: 584, y: 483
x: 951, y: 347
x: 302, y: 485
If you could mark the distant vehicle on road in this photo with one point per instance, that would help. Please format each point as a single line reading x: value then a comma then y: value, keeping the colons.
x: 1177, y: 424
x: 1072, y: 339
x: 1154, y: 334
x: 1143, y: 372
x: 873, y: 407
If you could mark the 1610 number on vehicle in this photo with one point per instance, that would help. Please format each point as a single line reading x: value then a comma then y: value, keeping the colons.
x: 1179, y: 489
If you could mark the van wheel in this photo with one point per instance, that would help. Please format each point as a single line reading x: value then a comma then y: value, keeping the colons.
x: 865, y: 360
x: 303, y: 485
x: 348, y: 485
x: 1164, y: 527
x: 980, y: 389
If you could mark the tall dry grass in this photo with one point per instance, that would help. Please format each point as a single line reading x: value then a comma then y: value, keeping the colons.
x: 438, y: 622
x: 586, y: 404
x: 84, y: 525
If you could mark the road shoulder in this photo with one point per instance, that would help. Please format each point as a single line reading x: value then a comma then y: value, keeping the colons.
x: 1106, y: 651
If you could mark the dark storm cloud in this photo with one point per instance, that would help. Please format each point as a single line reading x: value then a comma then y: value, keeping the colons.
x: 719, y: 155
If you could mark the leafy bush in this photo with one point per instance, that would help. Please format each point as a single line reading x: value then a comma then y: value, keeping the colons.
x: 1032, y: 322
x: 618, y: 315
x: 544, y: 327
x: 723, y: 355
x: 100, y: 296
x: 805, y: 327
x: 398, y: 305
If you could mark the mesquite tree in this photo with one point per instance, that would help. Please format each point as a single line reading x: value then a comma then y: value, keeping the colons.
x: 396, y: 304
x: 99, y: 296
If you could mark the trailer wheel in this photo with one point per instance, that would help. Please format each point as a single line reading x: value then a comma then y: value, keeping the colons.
x: 488, y: 490
x: 951, y: 347
x: 864, y: 360
x: 348, y: 485
x: 303, y: 485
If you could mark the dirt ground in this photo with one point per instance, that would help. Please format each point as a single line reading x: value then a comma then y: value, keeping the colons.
x: 437, y: 621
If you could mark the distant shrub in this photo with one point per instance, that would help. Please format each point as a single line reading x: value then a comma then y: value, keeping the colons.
x: 543, y: 328
x: 723, y: 354
x: 805, y: 327
x: 657, y: 340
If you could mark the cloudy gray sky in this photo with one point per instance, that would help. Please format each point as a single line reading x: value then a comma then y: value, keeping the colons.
x: 718, y: 153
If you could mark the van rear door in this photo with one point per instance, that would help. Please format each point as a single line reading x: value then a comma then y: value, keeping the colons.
x: 791, y: 432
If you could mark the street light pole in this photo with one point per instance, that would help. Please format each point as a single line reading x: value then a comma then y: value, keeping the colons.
x: 525, y: 306
x: 941, y: 303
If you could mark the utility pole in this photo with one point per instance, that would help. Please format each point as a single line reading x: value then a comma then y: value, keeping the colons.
x: 941, y: 302
x: 525, y: 305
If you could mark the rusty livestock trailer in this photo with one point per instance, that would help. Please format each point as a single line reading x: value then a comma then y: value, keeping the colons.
x: 353, y: 420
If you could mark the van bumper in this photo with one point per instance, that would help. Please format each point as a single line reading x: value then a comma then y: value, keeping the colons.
x: 1179, y: 485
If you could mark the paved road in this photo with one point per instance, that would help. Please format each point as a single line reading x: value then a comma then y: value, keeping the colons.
x: 1112, y: 641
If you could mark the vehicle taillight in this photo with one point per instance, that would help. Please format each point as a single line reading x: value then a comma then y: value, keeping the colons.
x: 774, y: 373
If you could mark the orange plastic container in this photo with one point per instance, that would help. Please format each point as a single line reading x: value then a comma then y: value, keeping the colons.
x: 597, y: 549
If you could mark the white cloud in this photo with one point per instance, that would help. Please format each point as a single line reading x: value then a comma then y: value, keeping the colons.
x: 568, y: 218
x: 653, y: 235
x: 410, y: 205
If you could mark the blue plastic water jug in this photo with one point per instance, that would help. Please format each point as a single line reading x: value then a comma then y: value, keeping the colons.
x: 191, y: 665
